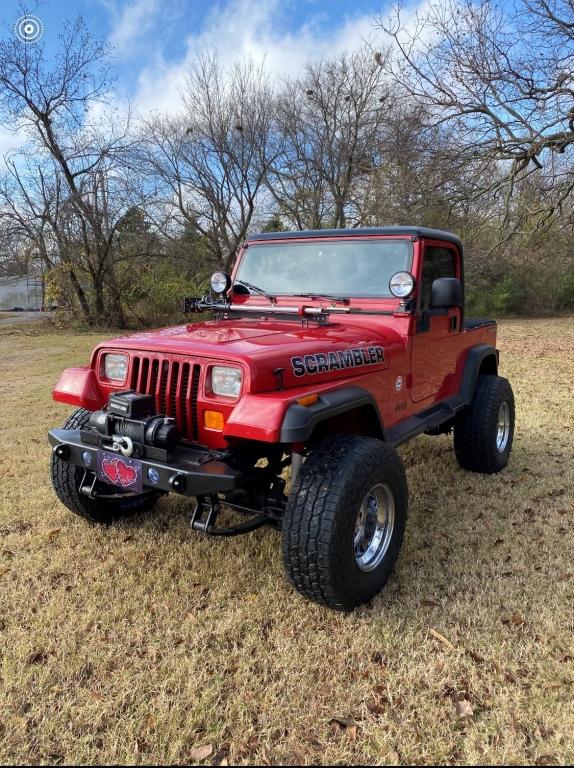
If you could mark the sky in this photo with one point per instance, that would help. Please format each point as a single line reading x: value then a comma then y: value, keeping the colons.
x: 153, y: 41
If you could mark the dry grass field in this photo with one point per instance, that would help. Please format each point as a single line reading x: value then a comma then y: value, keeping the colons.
x: 144, y: 643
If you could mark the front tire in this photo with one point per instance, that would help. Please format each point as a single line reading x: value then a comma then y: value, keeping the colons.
x: 484, y: 431
x: 67, y: 478
x: 345, y: 521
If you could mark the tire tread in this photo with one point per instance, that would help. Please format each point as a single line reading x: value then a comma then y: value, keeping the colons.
x: 65, y: 481
x: 474, y: 440
x: 324, y: 486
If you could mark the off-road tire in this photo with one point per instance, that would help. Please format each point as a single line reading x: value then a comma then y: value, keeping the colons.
x: 66, y: 479
x: 322, y: 510
x: 476, y: 427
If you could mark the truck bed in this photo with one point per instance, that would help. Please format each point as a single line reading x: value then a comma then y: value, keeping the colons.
x: 476, y: 322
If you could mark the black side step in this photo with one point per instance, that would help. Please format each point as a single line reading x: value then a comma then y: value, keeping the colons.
x: 428, y: 419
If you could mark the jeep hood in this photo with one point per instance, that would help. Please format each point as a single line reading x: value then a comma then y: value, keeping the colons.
x: 265, y: 345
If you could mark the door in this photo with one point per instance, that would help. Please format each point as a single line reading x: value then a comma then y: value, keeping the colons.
x: 434, y: 346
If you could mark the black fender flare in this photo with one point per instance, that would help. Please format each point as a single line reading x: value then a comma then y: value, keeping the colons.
x: 300, y: 421
x: 475, y: 360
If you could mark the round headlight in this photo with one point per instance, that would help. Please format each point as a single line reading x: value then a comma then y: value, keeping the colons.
x: 220, y: 282
x: 402, y: 284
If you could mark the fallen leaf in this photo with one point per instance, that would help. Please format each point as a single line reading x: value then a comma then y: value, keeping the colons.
x: 429, y: 604
x: 351, y: 732
x: 442, y: 639
x: 4, y: 571
x: 39, y: 657
x: 464, y: 708
x: 522, y: 672
x: 220, y: 758
x: 201, y: 753
x: 546, y: 760
x: 517, y: 619
x: 350, y: 727
x: 375, y: 707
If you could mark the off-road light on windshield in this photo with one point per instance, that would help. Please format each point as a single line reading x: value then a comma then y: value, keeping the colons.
x: 402, y: 284
x: 226, y: 381
x: 116, y: 367
x: 220, y: 282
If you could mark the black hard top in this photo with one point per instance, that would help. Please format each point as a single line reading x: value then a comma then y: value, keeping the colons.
x: 423, y: 232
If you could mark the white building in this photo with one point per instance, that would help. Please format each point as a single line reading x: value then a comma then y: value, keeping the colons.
x: 21, y: 292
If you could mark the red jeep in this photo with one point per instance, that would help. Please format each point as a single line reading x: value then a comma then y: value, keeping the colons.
x: 327, y: 350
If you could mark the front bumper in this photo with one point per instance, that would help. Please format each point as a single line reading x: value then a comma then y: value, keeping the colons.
x: 198, y: 471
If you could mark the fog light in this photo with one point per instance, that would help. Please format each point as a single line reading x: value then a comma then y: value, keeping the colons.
x: 213, y: 420
x: 87, y: 458
x: 153, y: 476
x: 402, y: 284
x: 177, y: 482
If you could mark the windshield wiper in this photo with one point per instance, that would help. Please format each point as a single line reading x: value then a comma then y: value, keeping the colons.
x: 344, y: 299
x: 256, y: 288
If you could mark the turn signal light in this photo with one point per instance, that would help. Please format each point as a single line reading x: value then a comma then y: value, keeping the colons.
x: 308, y: 399
x: 213, y: 420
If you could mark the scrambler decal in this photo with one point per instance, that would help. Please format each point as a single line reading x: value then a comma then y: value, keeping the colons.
x: 322, y: 362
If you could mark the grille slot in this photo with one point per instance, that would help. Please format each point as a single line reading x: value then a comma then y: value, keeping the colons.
x: 194, y: 394
x: 162, y: 389
x: 184, y: 399
x: 175, y: 385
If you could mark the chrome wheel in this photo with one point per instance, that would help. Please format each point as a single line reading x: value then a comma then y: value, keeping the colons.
x: 374, y: 527
x: 503, y: 431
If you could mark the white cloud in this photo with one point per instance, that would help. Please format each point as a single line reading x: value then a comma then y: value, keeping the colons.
x: 248, y: 28
x: 131, y: 23
x: 9, y: 141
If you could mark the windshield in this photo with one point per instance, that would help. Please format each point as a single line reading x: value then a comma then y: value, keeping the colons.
x: 354, y: 267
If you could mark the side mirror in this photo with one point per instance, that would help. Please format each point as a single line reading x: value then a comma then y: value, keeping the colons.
x: 446, y: 292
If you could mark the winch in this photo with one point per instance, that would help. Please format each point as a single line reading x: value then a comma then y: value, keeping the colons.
x: 129, y: 423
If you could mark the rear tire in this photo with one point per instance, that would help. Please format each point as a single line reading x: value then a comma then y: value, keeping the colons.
x: 67, y: 478
x: 483, y: 432
x: 345, y: 521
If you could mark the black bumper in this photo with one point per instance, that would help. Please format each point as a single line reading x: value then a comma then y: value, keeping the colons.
x: 198, y: 472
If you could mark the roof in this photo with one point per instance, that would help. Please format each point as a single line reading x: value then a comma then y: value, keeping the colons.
x: 423, y: 232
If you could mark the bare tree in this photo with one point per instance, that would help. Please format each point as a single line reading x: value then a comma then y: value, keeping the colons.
x: 331, y: 119
x: 210, y: 162
x: 69, y: 176
x: 503, y: 76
